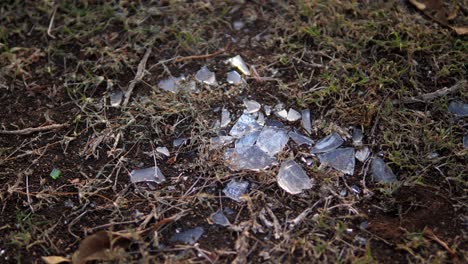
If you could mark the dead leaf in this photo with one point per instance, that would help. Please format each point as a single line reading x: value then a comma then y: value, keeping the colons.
x: 418, y: 5
x: 461, y: 30
x: 55, y: 259
x: 101, y: 246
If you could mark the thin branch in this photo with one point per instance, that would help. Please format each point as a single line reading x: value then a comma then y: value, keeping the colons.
x: 430, y: 96
x: 198, y: 57
x: 138, y: 76
x: 31, y: 130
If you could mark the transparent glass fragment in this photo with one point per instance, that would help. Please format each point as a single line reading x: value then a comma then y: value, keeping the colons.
x: 357, y: 136
x: 272, y: 140
x: 244, y: 125
x: 267, y: 110
x: 233, y: 77
x: 247, y: 140
x: 362, y: 154
x: 465, y: 141
x: 340, y: 159
x: 248, y: 158
x: 261, y: 119
x: 458, y: 108
x: 116, y: 98
x: 219, y: 218
x: 300, y: 139
x: 235, y: 189
x: 179, y: 142
x: 221, y: 141
x: 190, y: 236
x: 163, y: 150
x: 292, y: 178
x: 328, y: 143
x: 204, y: 75
x: 306, y: 121
x: 170, y: 84
x: 251, y: 106
x: 282, y: 114
x: 293, y: 115
x: 225, y: 117
x: 238, y: 25
x: 239, y: 63
x: 152, y: 174
x: 381, y: 172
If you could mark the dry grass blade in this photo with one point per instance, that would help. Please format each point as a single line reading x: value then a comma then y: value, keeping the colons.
x: 431, y: 96
x: 138, y: 76
x: 30, y: 130
x: 55, y: 260
x: 427, y: 232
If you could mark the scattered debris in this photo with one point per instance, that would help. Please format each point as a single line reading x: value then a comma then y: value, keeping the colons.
x: 328, y: 143
x: 282, y: 114
x: 357, y: 136
x: 465, y: 141
x: 179, y: 142
x: 248, y: 158
x: 217, y: 142
x: 152, y: 174
x: 219, y: 218
x: 363, y: 154
x: 251, y: 106
x: 235, y: 189
x: 300, y: 139
x: 238, y: 62
x: 292, y: 178
x: 246, y: 124
x: 341, y: 159
x: 102, y: 245
x: 115, y: 98
x: 247, y: 140
x: 293, y: 115
x: 272, y: 140
x: 306, y: 121
x: 190, y: 236
x: 163, y: 150
x: 381, y: 172
x: 261, y: 119
x: 225, y: 117
x: 458, y: 108
x: 55, y: 173
x: 204, y: 75
x: 171, y: 84
x: 238, y: 25
x: 267, y: 110
x: 233, y: 77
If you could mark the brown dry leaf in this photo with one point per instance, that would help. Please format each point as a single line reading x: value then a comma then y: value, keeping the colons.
x: 418, y: 5
x: 101, y: 246
x: 55, y: 259
x: 461, y: 30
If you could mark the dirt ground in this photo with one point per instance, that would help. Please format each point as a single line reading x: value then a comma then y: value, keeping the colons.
x: 352, y: 63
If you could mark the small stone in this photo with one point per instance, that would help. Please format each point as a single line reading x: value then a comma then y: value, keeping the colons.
x: 292, y: 178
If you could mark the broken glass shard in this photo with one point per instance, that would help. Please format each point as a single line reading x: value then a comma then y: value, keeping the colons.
x: 381, y: 172
x: 251, y: 106
x: 163, y: 150
x: 190, y: 236
x: 235, y: 189
x: 278, y: 107
x: 340, y: 159
x: 248, y: 158
x: 267, y: 110
x: 293, y: 115
x: 238, y: 25
x: 272, y: 140
x: 357, y: 136
x: 170, y: 84
x: 219, y: 218
x: 225, y: 117
x: 246, y: 124
x: 234, y: 77
x: 306, y: 123
x: 204, y: 75
x: 458, y: 108
x: 261, y: 119
x: 292, y: 178
x: 362, y: 154
x: 307, y: 161
x: 465, y: 141
x: 273, y: 123
x: 152, y: 174
x: 116, y: 98
x: 300, y: 139
x: 179, y: 142
x: 218, y: 142
x: 282, y: 114
x: 247, y: 140
x: 327, y: 143
x: 238, y: 62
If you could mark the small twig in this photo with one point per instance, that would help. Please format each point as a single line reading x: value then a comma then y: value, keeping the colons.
x: 31, y: 130
x: 138, y: 76
x: 427, y: 232
x: 51, y: 24
x: 430, y: 96
x: 27, y: 194
x: 199, y: 57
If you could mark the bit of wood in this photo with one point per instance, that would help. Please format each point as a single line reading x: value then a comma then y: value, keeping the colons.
x: 31, y: 130
x: 430, y: 96
x: 138, y: 76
